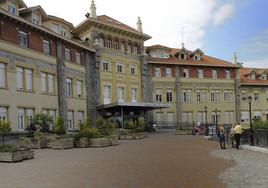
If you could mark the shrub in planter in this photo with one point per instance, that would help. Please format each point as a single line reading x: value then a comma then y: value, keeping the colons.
x: 42, y: 122
x: 62, y: 143
x: 260, y: 124
x: 5, y: 129
x: 10, y: 153
x: 59, y: 127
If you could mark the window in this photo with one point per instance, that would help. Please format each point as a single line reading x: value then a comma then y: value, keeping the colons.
x: 215, y: 118
x: 183, y: 56
x: 116, y: 45
x: 52, y: 115
x: 80, y: 118
x: 201, y: 117
x: 228, y: 75
x: 107, y: 94
x: 24, y: 75
x: 197, y: 57
x: 229, y: 117
x: 159, y: 117
x: 20, y: 78
x: 12, y: 7
x: 36, y: 19
x: 168, y: 72
x: 3, y: 114
x: 23, y: 39
x: 158, y: 95
x: 67, y: 54
x: 129, y: 48
x: 201, y: 96
x: 157, y: 72
x: 135, y: 49
x: 102, y: 41
x: 256, y: 96
x: 200, y: 74
x: 43, y: 83
x: 109, y: 43
x: 105, y: 65
x: 29, y: 116
x: 186, y: 95
x: 266, y: 95
x: 47, y: 83
x: 228, y: 96
x: 185, y: 73
x: 29, y: 79
x: 159, y: 54
x: 21, y: 119
x: 169, y: 96
x: 25, y: 118
x: 133, y: 69
x: 56, y: 28
x: 78, y: 58
x: 63, y: 31
x: 69, y: 87
x: 120, y: 67
x: 70, y: 121
x: 214, y: 74
x: 170, y: 118
x: 50, y: 83
x: 256, y: 115
x: 245, y: 116
x: 46, y: 47
x: 253, y: 76
x: 133, y: 95
x: 123, y: 46
x: 215, y: 96
x: 2, y: 75
x: 121, y: 94
x: 79, y: 89
x: 187, y: 117
x: 244, y: 96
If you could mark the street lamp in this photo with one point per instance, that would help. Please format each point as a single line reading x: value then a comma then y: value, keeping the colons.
x: 250, y: 121
x: 206, y: 112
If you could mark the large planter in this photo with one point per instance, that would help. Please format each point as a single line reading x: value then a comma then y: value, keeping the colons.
x: 36, y: 144
x: 99, y: 142
x: 133, y: 136
x: 64, y: 143
x: 11, y: 156
x: 82, y: 143
x: 140, y: 136
x: 113, y: 140
x: 27, y: 154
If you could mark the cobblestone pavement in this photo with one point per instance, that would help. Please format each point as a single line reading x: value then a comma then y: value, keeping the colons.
x: 160, y: 161
x: 250, y: 171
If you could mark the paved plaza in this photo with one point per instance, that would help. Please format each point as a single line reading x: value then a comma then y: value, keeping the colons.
x: 160, y: 161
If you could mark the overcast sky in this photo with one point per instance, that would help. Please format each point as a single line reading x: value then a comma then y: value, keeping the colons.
x: 217, y: 27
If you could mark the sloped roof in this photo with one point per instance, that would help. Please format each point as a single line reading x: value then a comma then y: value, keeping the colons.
x: 50, y: 17
x: 30, y: 9
x: 244, y: 72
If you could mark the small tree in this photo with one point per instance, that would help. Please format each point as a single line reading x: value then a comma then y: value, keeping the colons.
x: 42, y: 122
x: 59, y: 127
x: 5, y: 129
x: 101, y: 123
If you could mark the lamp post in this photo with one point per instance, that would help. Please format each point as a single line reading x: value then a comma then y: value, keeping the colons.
x: 250, y: 121
x: 206, y: 112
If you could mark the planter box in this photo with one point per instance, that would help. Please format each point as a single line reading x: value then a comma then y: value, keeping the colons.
x: 27, y: 154
x: 99, y: 142
x: 65, y: 143
x: 11, y: 156
x: 113, y: 140
x: 82, y: 143
x: 38, y: 144
x: 140, y: 136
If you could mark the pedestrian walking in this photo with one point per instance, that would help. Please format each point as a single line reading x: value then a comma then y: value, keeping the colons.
x: 237, y: 135
x: 232, y: 133
x: 222, y: 136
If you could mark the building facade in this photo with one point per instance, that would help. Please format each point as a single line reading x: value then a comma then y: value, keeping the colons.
x: 101, y: 67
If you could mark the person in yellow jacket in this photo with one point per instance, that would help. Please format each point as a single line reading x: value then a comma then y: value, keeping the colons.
x: 237, y: 135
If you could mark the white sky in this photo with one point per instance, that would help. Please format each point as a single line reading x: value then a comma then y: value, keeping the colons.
x: 163, y: 20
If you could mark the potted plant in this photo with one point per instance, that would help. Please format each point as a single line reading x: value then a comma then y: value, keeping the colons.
x: 59, y: 140
x: 113, y: 138
x: 81, y: 138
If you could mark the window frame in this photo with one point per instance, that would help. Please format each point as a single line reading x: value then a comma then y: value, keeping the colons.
x: 23, y: 39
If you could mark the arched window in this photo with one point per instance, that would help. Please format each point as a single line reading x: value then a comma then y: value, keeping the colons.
x: 116, y: 45
x: 102, y: 41
x: 129, y: 48
x: 109, y: 43
x: 135, y: 49
x: 123, y: 46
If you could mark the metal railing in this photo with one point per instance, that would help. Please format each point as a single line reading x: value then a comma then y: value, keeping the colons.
x: 260, y: 137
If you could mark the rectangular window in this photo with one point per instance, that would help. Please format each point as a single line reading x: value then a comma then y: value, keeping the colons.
x: 56, y: 28
x: 215, y: 118
x: 105, y: 65
x: 80, y: 118
x: 158, y: 95
x: 135, y: 50
x: 79, y: 89
x: 201, y: 96
x: 245, y: 116
x: 43, y: 83
x: 133, y: 69
x: 67, y: 54
x: 244, y: 96
x: 23, y: 39
x: 256, y: 115
x: 107, y: 94
x: 3, y: 114
x: 29, y: 116
x: 229, y: 117
x: 201, y: 117
x: 186, y: 95
x: 185, y: 73
x: 187, y: 117
x: 215, y: 96
x: 121, y: 94
x: 12, y: 7
x: 214, y: 74
x: 168, y: 72
x: 170, y: 118
x: 228, y: 96
x: 129, y: 48
x: 21, y: 119
x: 157, y: 72
x: 256, y: 96
x: 69, y: 87
x: 46, y: 47
x: 228, y: 75
x: 169, y: 96
x: 36, y: 19
x: 78, y: 58
x: 70, y: 120
x: 50, y: 83
x: 2, y: 75
x: 52, y: 115
x: 159, y: 117
x: 29, y: 80
x: 133, y: 95
x: 20, y: 78
x: 200, y: 74
x: 120, y: 67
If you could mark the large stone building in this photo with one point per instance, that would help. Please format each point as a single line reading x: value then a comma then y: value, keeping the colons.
x: 101, y: 67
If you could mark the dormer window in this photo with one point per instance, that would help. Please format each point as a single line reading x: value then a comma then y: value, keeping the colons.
x: 264, y: 76
x: 182, y: 56
x: 159, y: 54
x: 12, y: 7
x: 36, y: 19
x: 253, y: 76
x: 197, y: 57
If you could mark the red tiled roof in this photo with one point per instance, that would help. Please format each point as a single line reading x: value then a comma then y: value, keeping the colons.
x: 244, y: 72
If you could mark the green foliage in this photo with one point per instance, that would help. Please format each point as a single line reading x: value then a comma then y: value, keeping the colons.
x: 110, y: 124
x: 42, y: 122
x: 129, y: 124
x: 260, y: 124
x: 89, y: 133
x: 141, y: 125
x: 5, y: 129
x: 59, y: 127
x: 8, y: 148
x: 101, y: 123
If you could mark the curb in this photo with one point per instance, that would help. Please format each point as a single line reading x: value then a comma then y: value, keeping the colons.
x: 255, y: 148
